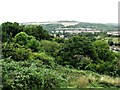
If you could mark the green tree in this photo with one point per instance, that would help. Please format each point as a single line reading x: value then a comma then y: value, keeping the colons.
x: 89, y: 35
x: 28, y: 41
x: 104, y: 53
x: 49, y: 47
x: 74, y: 48
x: 10, y: 29
x: 37, y: 31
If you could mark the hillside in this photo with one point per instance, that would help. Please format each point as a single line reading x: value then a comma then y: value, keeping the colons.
x: 71, y: 78
x: 74, y: 24
x: 33, y: 59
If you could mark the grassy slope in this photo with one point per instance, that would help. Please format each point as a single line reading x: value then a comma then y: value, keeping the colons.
x: 88, y: 79
x: 85, y: 79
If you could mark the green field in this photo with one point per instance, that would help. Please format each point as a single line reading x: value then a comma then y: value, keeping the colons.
x: 114, y: 39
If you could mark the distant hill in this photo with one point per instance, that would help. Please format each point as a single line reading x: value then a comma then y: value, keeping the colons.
x: 97, y: 26
x: 52, y: 25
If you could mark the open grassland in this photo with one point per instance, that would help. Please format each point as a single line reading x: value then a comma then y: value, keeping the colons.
x: 114, y: 39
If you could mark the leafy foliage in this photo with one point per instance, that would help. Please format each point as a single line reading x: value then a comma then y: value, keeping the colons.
x: 29, y: 41
x: 10, y: 29
x: 104, y: 53
x: 16, y: 52
x: 47, y: 60
x: 17, y: 76
x: 33, y: 44
x: 32, y: 60
x: 21, y: 38
x: 74, y: 48
x: 37, y: 31
x: 49, y: 47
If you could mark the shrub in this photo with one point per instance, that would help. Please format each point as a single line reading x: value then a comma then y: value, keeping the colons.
x: 33, y: 44
x: 47, y: 60
x: 16, y: 52
x: 49, y: 47
x: 58, y: 40
x: 102, y: 67
x: 21, y: 38
x: 22, y: 54
x: 103, y: 51
x: 17, y: 76
x: 28, y: 41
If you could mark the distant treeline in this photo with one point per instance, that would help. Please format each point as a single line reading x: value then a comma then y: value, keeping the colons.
x: 97, y: 26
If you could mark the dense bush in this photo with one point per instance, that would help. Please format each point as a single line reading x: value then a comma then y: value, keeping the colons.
x: 17, y: 76
x: 47, y: 60
x: 58, y: 39
x: 34, y: 45
x: 28, y: 41
x: 21, y: 38
x: 74, y: 48
x: 101, y: 67
x: 104, y: 53
x: 15, y: 52
x: 49, y: 47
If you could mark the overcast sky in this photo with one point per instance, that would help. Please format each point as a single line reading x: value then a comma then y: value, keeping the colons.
x: 100, y: 11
